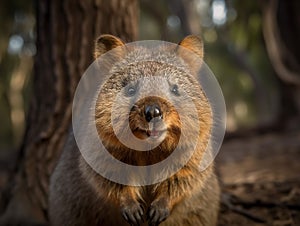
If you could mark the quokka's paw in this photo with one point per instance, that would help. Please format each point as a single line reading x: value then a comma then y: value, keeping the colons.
x: 158, y: 212
x: 133, y: 213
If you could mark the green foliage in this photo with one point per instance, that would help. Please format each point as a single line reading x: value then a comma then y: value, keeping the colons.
x: 236, y: 53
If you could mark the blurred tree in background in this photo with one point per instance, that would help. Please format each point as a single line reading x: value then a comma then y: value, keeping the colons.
x: 17, y: 47
x: 282, y: 32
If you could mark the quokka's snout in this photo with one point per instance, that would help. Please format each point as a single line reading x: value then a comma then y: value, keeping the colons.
x: 148, y: 116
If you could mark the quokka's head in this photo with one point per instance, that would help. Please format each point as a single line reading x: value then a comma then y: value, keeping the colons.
x: 152, y: 97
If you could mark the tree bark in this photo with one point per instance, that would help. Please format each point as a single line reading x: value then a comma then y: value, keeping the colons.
x: 66, y: 30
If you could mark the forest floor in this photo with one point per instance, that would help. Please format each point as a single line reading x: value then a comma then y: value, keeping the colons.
x: 260, y: 177
x: 259, y: 174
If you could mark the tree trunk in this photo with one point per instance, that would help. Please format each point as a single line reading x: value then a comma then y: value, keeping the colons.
x: 66, y: 30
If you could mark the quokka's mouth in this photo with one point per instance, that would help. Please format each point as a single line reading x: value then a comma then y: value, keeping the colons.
x: 155, y: 133
x: 152, y: 134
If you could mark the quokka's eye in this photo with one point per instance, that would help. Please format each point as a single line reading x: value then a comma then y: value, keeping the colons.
x: 131, y: 91
x: 174, y: 90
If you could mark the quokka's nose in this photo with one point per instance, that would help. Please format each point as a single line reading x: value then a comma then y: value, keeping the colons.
x: 152, y: 112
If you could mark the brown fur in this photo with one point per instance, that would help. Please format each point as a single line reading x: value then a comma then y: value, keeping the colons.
x: 79, y: 196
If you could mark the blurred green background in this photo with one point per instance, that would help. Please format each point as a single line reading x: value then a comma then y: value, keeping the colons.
x: 234, y: 50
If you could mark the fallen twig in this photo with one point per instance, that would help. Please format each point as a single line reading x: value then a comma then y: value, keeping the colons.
x: 227, y: 201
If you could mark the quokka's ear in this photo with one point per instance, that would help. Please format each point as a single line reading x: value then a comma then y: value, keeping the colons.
x: 193, y: 43
x: 190, y: 49
x: 106, y: 42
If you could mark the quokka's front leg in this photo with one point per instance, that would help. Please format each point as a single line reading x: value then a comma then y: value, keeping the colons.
x: 167, y: 194
x: 131, y: 206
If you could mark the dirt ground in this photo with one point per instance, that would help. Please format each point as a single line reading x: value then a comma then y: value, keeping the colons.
x: 260, y: 177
